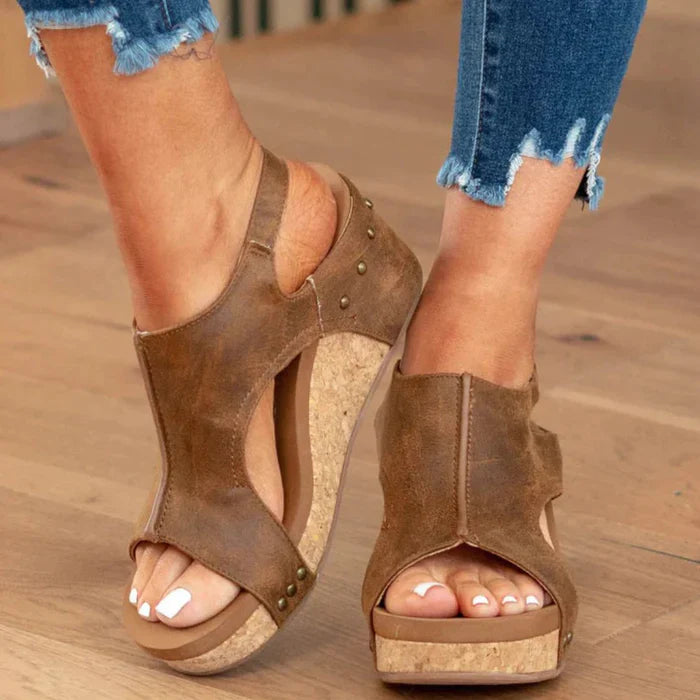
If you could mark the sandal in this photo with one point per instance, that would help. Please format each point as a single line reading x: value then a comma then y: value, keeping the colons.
x: 324, y: 346
x: 462, y: 463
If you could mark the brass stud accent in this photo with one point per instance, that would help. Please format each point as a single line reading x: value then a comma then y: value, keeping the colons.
x: 291, y: 589
x: 301, y: 573
x: 568, y: 638
x: 344, y: 302
x: 282, y: 604
x: 371, y: 233
x: 368, y: 203
x: 361, y: 267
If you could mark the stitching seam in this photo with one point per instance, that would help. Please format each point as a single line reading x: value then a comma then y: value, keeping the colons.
x: 166, y: 14
x: 479, y: 123
x: 468, y: 480
x: 458, y: 443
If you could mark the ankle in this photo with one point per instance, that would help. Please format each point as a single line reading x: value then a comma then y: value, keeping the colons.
x: 484, y: 326
x: 190, y: 252
x: 179, y: 256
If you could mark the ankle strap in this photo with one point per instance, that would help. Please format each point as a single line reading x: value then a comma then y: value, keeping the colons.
x: 269, y: 201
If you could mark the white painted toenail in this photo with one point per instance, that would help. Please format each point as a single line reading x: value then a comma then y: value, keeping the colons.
x: 480, y: 600
x: 145, y: 610
x: 174, y: 602
x: 422, y: 588
x: 509, y: 599
x: 532, y: 600
x: 133, y: 596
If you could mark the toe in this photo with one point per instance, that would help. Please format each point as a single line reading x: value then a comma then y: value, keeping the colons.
x: 147, y: 555
x: 533, y: 595
x: 417, y: 593
x: 195, y: 596
x: 475, y: 600
x: 507, y: 595
x: 171, y: 564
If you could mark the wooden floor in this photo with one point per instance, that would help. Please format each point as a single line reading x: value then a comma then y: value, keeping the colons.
x: 619, y: 357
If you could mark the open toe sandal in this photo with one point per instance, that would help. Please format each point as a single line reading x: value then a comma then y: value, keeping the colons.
x: 463, y: 464
x: 323, y: 346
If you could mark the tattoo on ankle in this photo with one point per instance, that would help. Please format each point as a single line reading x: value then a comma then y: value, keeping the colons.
x: 187, y: 51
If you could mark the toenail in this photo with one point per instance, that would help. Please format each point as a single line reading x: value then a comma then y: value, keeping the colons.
x: 480, y: 600
x: 509, y: 599
x: 145, y: 610
x: 422, y: 588
x: 133, y: 596
x: 532, y: 600
x: 172, y: 603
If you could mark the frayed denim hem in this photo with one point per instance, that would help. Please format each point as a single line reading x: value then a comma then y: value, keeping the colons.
x: 133, y: 55
x: 455, y: 172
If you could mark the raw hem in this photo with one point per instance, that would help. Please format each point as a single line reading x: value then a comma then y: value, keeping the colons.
x: 132, y: 55
x: 456, y: 172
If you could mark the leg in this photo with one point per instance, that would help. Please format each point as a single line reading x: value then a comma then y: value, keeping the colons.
x: 180, y: 169
x: 477, y: 312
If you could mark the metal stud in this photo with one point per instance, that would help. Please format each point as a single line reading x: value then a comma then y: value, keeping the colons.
x: 568, y: 638
x: 291, y: 589
x: 282, y: 604
x: 344, y: 302
x: 361, y: 267
x: 371, y: 233
x: 301, y: 573
x: 368, y: 203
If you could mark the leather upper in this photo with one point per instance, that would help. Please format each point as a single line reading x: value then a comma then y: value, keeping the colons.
x: 462, y: 462
x: 205, y: 377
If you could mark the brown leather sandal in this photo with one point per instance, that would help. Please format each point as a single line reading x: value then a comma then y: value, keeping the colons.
x: 462, y: 463
x: 324, y: 347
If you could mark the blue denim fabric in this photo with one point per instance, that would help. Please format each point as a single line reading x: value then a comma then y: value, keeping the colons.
x: 536, y: 78
x: 141, y: 30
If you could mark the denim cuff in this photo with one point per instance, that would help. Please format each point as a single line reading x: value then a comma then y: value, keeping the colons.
x: 141, y: 32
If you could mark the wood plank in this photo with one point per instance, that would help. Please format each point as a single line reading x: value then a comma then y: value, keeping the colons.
x: 45, y: 668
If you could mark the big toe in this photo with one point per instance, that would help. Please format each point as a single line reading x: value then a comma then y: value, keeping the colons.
x: 195, y: 596
x: 168, y: 566
x: 417, y: 593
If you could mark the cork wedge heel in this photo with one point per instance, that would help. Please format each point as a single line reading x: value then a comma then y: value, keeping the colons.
x: 324, y: 348
x: 468, y: 468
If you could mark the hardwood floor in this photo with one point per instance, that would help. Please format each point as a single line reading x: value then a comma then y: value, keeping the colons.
x: 619, y: 359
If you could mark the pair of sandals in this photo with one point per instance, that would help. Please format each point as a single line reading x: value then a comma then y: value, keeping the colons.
x: 459, y: 456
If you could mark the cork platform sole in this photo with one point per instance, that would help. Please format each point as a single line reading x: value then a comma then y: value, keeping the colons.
x: 341, y: 373
x: 512, y: 649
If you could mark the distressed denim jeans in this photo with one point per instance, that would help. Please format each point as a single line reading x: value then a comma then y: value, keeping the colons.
x: 536, y: 78
x: 141, y: 30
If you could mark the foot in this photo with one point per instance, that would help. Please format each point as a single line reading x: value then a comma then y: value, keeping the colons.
x: 168, y: 585
x: 478, y: 318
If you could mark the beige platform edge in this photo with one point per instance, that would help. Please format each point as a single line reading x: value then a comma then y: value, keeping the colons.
x: 29, y: 105
x: 523, y: 656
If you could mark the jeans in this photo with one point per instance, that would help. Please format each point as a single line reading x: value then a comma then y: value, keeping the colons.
x: 537, y: 78
x: 141, y: 30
